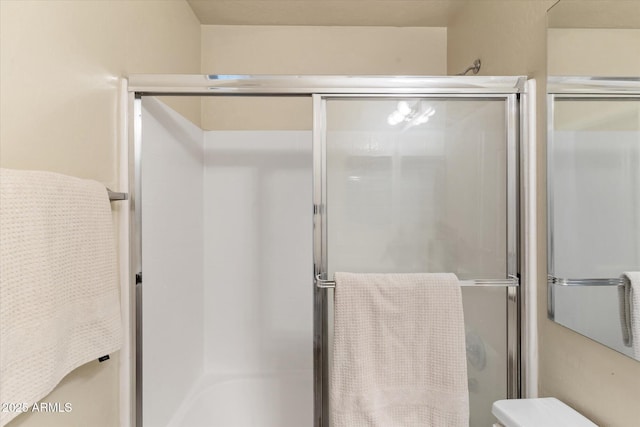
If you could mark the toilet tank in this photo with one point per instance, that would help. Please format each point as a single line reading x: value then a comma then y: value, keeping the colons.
x: 542, y: 412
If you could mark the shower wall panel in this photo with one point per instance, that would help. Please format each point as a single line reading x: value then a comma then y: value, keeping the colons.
x: 172, y: 177
x: 227, y: 266
x: 258, y: 257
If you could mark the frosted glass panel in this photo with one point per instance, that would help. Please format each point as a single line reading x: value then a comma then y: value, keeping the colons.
x: 429, y: 197
x: 485, y: 314
x: 426, y: 197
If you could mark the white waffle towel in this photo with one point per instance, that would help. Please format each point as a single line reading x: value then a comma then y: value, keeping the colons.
x: 59, y: 295
x: 399, y: 355
x: 630, y: 310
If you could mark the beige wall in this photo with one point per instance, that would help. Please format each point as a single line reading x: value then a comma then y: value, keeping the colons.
x: 603, y: 384
x: 323, y: 50
x: 60, y: 61
x: 60, y: 65
x: 309, y: 50
x: 59, y: 111
x: 510, y: 38
x: 594, y: 52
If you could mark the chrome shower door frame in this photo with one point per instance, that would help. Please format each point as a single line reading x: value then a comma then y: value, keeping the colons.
x: 320, y: 256
x: 321, y: 88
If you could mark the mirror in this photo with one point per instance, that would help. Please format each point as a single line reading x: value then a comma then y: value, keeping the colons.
x: 593, y: 170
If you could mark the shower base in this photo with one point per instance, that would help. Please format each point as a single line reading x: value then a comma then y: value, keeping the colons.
x: 248, y: 401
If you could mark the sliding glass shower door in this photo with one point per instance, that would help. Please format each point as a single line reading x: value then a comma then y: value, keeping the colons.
x: 421, y: 184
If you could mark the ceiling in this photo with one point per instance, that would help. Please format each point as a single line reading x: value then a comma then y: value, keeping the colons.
x: 394, y: 13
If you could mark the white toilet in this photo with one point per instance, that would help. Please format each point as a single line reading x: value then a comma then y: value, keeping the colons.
x: 543, y: 412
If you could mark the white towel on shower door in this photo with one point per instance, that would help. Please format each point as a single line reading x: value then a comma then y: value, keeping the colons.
x: 59, y: 294
x: 630, y: 310
x: 399, y: 355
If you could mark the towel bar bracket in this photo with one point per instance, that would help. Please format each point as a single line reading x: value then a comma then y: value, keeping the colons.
x: 115, y: 196
x: 323, y: 283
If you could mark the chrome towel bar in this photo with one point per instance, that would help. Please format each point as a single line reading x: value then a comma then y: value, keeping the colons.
x: 586, y: 282
x: 511, y: 281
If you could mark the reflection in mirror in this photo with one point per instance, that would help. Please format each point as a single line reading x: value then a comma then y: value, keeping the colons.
x: 593, y: 170
x: 594, y: 212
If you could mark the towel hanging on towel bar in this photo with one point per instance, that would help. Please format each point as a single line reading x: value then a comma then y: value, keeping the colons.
x: 59, y: 286
x: 411, y: 372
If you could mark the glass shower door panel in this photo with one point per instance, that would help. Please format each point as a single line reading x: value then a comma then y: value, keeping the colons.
x: 419, y: 185
x: 417, y: 197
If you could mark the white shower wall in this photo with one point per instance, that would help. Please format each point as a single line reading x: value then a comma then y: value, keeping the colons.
x: 227, y: 292
x: 172, y: 244
x: 258, y: 252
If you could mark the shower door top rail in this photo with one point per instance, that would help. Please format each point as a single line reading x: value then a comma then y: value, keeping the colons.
x: 264, y: 85
x: 586, y: 85
x: 511, y: 281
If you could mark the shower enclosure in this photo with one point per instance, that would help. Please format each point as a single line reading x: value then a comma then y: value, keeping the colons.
x: 242, y: 220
